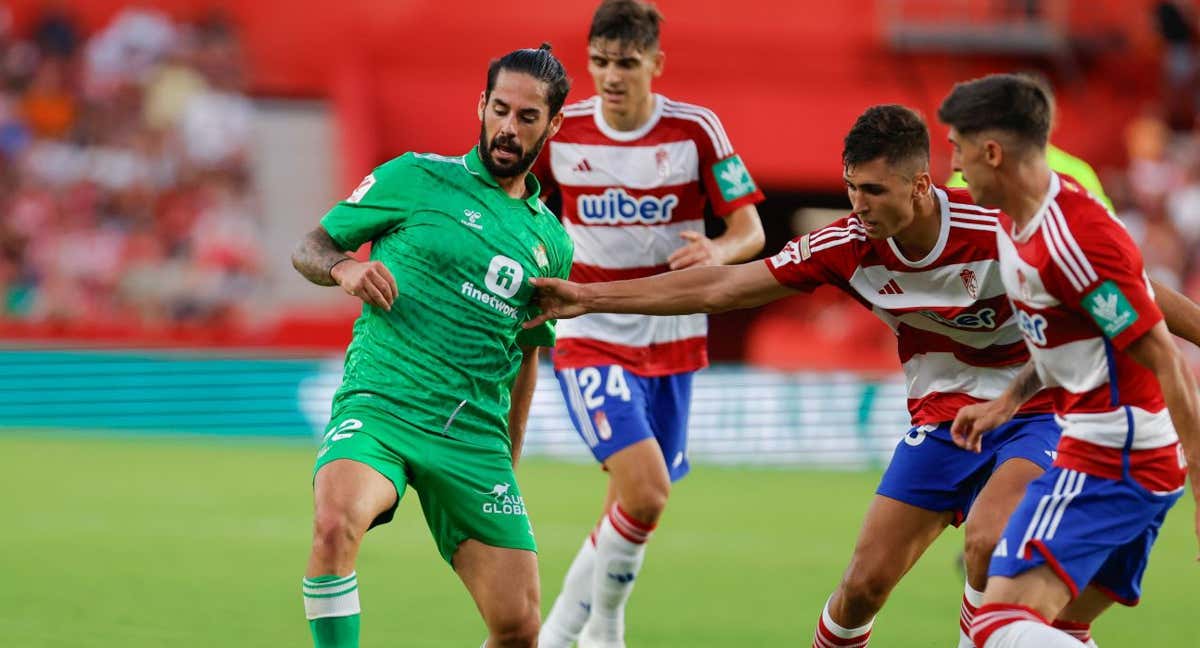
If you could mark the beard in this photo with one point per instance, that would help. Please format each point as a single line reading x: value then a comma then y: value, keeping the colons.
x: 524, y: 159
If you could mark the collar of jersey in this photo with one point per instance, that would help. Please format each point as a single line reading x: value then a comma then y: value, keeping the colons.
x: 475, y: 166
x: 943, y: 202
x: 1040, y: 215
x: 635, y: 134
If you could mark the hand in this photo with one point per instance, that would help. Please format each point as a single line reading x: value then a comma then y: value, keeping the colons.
x: 558, y: 299
x: 699, y: 251
x: 371, y: 282
x: 973, y: 421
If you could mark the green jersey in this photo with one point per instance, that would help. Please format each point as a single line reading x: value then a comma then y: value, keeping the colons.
x: 444, y: 358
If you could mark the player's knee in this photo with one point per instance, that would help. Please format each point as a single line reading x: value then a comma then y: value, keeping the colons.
x: 648, y: 503
x: 978, y: 545
x: 516, y: 629
x: 864, y: 592
x: 334, y: 532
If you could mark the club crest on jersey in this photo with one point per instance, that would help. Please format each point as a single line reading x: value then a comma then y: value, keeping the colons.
x: 1023, y: 286
x: 616, y: 207
x: 970, y: 282
x: 795, y: 251
x: 362, y: 188
x: 539, y: 255
x: 1033, y: 327
x: 662, y: 161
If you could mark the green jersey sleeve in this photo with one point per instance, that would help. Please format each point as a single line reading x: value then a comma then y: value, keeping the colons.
x: 561, y: 268
x: 377, y: 206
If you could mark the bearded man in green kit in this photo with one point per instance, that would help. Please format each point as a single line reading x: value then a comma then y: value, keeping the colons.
x: 439, y: 374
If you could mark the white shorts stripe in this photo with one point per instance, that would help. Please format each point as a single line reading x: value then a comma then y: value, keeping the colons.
x: 1070, y: 496
x: 576, y: 403
x: 1037, y: 516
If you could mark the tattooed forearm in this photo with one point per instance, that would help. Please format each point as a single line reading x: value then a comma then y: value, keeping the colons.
x: 315, y: 255
x: 1026, y: 384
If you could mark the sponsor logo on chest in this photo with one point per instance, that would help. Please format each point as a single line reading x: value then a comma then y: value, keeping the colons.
x: 616, y: 207
x: 983, y: 319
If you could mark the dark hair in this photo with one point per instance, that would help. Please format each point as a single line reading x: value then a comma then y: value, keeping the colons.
x: 540, y: 64
x: 1011, y: 103
x: 628, y: 22
x: 894, y: 132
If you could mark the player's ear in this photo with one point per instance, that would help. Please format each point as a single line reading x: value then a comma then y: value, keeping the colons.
x: 555, y: 124
x: 482, y: 103
x: 993, y: 153
x: 922, y: 183
x: 660, y: 60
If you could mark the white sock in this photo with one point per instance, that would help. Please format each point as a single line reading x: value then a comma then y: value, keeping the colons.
x: 574, y: 602
x: 1005, y: 625
x: 620, y: 549
x: 1030, y: 634
x: 830, y: 634
x: 972, y: 599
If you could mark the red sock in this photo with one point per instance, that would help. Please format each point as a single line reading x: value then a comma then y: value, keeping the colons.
x: 635, y: 531
x: 1081, y: 631
x: 966, y: 615
x: 831, y: 635
x: 993, y: 616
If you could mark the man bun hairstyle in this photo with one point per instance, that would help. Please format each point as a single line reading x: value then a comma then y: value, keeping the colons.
x: 540, y: 64
x: 628, y: 22
x: 891, y: 131
x: 1011, y: 103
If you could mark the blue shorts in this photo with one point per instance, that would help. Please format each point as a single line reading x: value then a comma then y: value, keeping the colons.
x: 930, y: 472
x: 613, y: 409
x: 1089, y: 530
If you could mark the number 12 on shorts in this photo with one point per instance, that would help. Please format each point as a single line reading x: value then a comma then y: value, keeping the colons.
x: 344, y: 430
x: 615, y: 386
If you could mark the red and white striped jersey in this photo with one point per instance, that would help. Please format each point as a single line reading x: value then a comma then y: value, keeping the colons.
x: 626, y: 197
x: 958, y: 339
x: 1082, y: 297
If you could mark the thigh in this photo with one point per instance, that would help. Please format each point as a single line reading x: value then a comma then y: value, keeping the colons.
x: 502, y: 581
x: 893, y: 536
x: 355, y: 472
x: 928, y: 471
x: 669, y: 402
x: 1000, y: 496
x: 470, y: 492
x: 608, y: 407
x: 1071, y: 523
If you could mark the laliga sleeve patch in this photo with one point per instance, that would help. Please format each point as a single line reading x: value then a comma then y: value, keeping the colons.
x: 1110, y: 309
x: 733, y: 179
x: 362, y: 188
x: 793, y: 252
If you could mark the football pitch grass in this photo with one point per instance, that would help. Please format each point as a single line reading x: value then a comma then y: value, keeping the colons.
x: 140, y: 542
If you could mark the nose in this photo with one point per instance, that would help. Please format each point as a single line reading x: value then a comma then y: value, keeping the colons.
x: 508, y: 125
x: 857, y: 203
x: 611, y: 75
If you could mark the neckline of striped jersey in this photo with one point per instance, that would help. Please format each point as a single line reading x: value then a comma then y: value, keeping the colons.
x: 1038, y: 216
x: 635, y: 134
x: 943, y: 235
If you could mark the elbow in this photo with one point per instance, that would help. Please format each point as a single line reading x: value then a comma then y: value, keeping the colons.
x: 717, y: 301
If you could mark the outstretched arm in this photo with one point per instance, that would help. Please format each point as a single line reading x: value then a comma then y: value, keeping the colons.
x: 1181, y: 314
x: 320, y: 260
x: 709, y: 289
x: 973, y: 421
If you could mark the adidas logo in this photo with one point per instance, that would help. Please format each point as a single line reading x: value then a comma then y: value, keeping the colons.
x: 1001, y: 549
x: 891, y: 288
x: 583, y: 166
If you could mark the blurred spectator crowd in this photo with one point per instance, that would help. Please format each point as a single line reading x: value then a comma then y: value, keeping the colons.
x: 125, y: 193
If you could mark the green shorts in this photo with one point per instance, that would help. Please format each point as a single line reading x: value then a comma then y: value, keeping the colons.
x: 466, y: 491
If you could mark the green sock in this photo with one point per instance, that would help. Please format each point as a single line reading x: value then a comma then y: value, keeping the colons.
x: 331, y: 605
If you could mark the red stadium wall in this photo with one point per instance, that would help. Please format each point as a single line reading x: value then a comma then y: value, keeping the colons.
x: 786, y: 76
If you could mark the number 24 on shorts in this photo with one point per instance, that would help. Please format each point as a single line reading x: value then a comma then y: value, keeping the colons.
x: 589, y: 382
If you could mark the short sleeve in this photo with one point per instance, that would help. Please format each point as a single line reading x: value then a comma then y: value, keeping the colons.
x: 378, y: 205
x: 826, y: 256
x: 1100, y: 272
x: 726, y: 180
